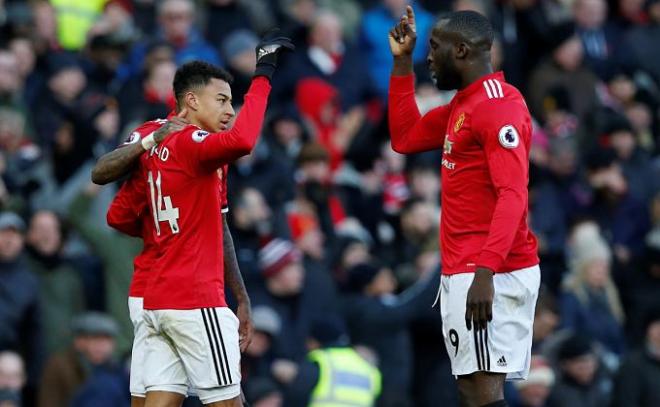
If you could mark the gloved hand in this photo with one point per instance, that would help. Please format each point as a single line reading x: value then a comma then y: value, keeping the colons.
x: 267, y: 51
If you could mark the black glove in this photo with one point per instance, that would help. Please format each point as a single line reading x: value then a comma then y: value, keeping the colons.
x: 267, y: 51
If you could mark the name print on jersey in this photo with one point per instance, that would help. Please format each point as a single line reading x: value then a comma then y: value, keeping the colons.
x: 161, y: 152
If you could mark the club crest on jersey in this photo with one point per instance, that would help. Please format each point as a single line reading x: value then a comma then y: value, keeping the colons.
x: 509, y: 137
x: 199, y: 135
x: 133, y: 138
x: 459, y: 122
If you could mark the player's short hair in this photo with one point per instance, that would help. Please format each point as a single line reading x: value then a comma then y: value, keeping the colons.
x: 471, y: 25
x: 196, y: 75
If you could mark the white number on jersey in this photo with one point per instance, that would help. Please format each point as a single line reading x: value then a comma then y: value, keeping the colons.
x: 161, y: 206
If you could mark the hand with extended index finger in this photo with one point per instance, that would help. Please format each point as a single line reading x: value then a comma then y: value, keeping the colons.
x: 404, y: 35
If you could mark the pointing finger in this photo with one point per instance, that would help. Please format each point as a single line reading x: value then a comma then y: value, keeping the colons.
x: 410, y: 14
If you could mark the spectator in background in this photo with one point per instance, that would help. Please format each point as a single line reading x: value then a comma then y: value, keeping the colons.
x: 642, y: 38
x: 263, y: 392
x: 376, y: 23
x: 12, y: 378
x: 148, y: 95
x: 74, y: 20
x: 315, y: 187
x: 90, y: 353
x: 11, y: 83
x: 23, y: 50
x: 419, y: 230
x: 601, y: 41
x: 633, y: 159
x: 583, y: 381
x: 116, y: 252
x: 534, y: 391
x: 60, y: 293
x: 331, y: 356
x: 546, y: 322
x: 102, y: 61
x: 522, y: 26
x: 636, y: 384
x: 223, y: 19
x: 23, y: 169
x: 285, y: 290
x: 643, y: 286
x: 251, y: 223
x: 256, y: 361
x: 424, y: 183
x: 590, y: 303
x: 20, y: 322
x: 564, y: 68
x: 329, y: 57
x: 265, y: 172
x: 622, y: 218
x: 378, y: 319
x: 176, y: 27
x: 238, y: 50
x: 285, y: 134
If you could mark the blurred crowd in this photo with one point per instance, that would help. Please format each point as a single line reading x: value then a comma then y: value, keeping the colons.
x: 336, y: 235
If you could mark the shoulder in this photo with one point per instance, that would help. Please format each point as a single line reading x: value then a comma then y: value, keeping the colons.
x: 143, y: 131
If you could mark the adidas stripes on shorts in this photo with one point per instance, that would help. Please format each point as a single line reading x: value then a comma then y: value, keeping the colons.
x: 197, y: 347
x: 505, y: 346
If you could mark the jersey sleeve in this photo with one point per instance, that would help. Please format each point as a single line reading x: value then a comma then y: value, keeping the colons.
x: 410, y: 131
x: 206, y: 152
x: 503, y: 128
x: 223, y: 173
x: 126, y: 209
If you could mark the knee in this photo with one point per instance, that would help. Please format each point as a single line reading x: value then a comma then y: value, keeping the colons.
x: 465, y: 393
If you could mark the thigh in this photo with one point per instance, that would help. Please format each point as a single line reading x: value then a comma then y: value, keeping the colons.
x: 207, y: 341
x: 465, y: 347
x: 163, y: 368
x: 511, y: 329
x: 138, y: 350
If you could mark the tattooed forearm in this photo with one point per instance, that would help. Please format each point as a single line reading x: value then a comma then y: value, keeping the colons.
x: 115, y: 164
x: 233, y: 277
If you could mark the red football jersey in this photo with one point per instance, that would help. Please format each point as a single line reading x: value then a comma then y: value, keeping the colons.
x: 182, y: 184
x: 485, y: 134
x: 127, y: 213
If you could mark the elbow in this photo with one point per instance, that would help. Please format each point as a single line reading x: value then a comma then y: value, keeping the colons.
x: 98, y: 178
x: 399, y: 148
x: 245, y: 147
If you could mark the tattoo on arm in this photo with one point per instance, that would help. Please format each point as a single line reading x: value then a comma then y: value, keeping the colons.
x: 115, y: 164
x: 233, y: 277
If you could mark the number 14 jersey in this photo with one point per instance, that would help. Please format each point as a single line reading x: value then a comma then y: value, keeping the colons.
x: 184, y: 204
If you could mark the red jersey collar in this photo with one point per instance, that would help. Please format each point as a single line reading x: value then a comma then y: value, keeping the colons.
x: 478, y: 84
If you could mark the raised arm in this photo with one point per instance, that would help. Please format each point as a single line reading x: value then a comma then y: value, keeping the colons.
x: 410, y: 132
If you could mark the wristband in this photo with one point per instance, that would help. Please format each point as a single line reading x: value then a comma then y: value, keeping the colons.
x: 148, y: 142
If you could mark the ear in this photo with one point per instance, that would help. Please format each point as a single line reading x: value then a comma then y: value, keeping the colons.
x: 190, y: 101
x: 461, y: 50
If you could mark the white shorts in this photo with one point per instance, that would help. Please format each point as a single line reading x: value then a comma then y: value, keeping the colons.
x: 138, y: 351
x: 505, y: 347
x: 198, y: 346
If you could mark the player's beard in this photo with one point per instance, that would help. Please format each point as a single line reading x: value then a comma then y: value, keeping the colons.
x: 446, y: 77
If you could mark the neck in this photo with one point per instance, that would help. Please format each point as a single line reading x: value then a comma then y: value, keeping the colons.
x: 194, y: 120
x: 474, y: 72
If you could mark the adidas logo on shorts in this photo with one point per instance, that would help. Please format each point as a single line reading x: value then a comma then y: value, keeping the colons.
x: 501, y: 362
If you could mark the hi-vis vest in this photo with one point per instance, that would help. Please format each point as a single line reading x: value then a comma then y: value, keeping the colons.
x: 345, y: 379
x: 74, y: 19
